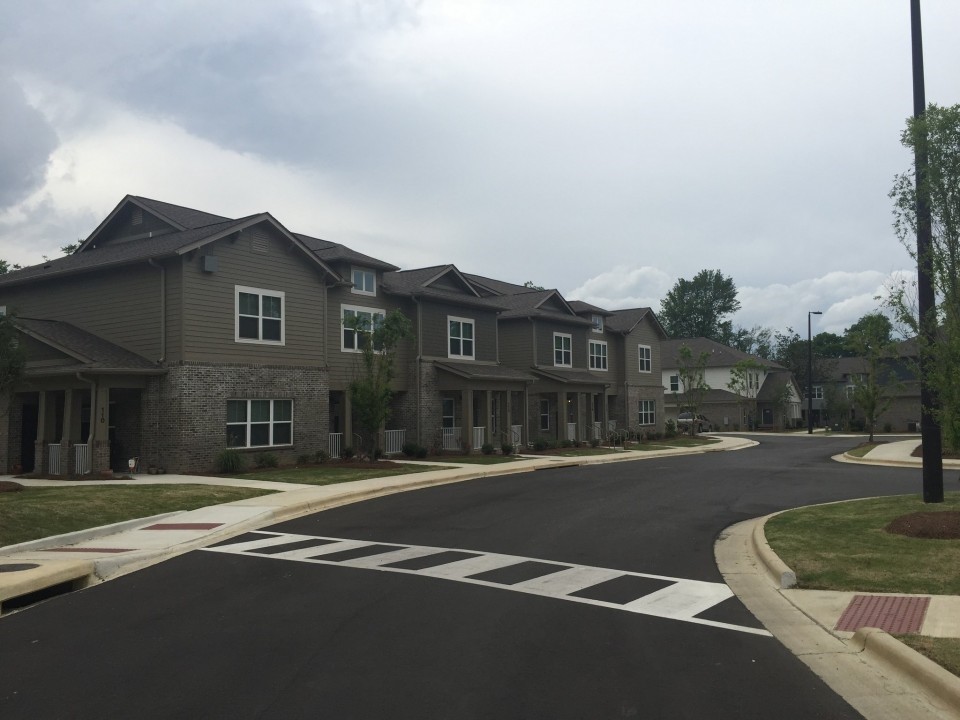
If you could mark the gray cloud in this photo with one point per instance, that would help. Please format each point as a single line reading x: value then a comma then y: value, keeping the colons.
x: 26, y: 141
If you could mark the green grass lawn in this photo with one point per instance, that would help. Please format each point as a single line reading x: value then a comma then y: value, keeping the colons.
x: 332, y: 474
x: 41, y: 512
x: 863, y: 448
x: 677, y: 442
x: 944, y: 651
x: 472, y: 459
x: 843, y: 546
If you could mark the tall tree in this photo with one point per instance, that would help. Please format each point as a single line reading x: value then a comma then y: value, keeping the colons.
x: 370, y: 392
x: 700, y: 307
x: 757, y: 340
x: 873, y: 388
x: 935, y: 134
x: 830, y: 345
x: 872, y: 328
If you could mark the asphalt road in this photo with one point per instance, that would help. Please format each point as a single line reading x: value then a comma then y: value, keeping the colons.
x: 231, y: 634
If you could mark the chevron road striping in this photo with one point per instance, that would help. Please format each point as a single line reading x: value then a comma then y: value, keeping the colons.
x: 656, y: 595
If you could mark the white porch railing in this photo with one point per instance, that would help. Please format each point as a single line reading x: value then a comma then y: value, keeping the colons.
x: 516, y: 436
x: 54, y: 450
x: 451, y: 438
x: 393, y: 441
x: 82, y: 458
x: 597, y: 429
x: 479, y: 437
x: 335, y: 445
x: 571, y: 431
x: 611, y: 425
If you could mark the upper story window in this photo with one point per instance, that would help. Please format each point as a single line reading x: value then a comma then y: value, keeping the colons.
x: 597, y: 321
x: 364, y: 281
x: 598, y: 355
x: 674, y: 383
x: 459, y: 337
x: 358, y: 323
x: 562, y: 350
x: 646, y: 358
x: 260, y: 317
x: 817, y: 392
x: 850, y: 390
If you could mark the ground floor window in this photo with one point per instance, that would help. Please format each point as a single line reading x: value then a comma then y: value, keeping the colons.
x: 544, y: 414
x: 449, y: 419
x: 648, y: 412
x: 259, y: 423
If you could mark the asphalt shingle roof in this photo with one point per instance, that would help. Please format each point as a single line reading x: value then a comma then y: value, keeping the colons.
x: 184, y: 216
x: 485, y: 372
x: 718, y: 354
x: 92, y: 351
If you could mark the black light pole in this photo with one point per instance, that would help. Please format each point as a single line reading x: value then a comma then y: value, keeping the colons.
x: 926, y: 298
x: 810, y: 373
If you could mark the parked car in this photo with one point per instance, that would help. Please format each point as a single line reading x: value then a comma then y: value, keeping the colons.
x: 686, y: 419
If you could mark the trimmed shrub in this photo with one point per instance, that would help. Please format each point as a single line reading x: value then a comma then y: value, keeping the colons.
x: 539, y: 444
x: 506, y: 449
x: 303, y: 459
x: 229, y: 461
x: 348, y: 453
x: 322, y: 456
x: 887, y: 427
x: 421, y: 452
x: 594, y: 442
x: 377, y: 454
x: 410, y: 449
x: 266, y: 460
x: 670, y: 428
x: 566, y: 443
x: 487, y: 448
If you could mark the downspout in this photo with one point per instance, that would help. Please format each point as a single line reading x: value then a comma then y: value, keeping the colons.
x: 163, y: 310
x: 416, y: 301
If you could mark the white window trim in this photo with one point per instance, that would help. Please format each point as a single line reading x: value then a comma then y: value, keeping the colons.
x: 671, y: 379
x: 640, y: 358
x: 605, y: 356
x: 237, y: 289
x: 569, y: 337
x: 595, y: 328
x: 473, y: 340
x: 652, y: 412
x: 357, y: 308
x: 817, y: 392
x: 271, y: 422
x: 357, y: 291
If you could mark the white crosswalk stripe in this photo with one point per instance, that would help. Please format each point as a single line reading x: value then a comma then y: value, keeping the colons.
x: 678, y: 599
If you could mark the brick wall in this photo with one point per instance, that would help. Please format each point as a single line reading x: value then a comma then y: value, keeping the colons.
x: 192, y: 410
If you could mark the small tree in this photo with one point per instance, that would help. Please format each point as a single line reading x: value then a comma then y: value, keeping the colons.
x: 370, y: 392
x: 781, y: 401
x: 692, y: 374
x: 872, y: 388
x: 745, y: 384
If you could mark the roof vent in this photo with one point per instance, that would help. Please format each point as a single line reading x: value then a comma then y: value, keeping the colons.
x: 260, y: 245
x: 137, y: 218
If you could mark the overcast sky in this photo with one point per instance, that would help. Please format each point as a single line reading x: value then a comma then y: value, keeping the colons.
x: 603, y: 148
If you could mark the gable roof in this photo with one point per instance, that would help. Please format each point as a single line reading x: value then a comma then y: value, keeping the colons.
x: 498, y: 287
x: 580, y: 307
x: 332, y: 252
x: 626, y: 320
x: 90, y: 352
x: 89, y: 258
x: 718, y: 354
x: 419, y: 283
x: 775, y: 380
x: 537, y: 304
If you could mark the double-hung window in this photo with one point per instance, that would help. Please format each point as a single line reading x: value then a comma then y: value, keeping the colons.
x: 597, y: 321
x: 459, y: 337
x: 674, y: 383
x: 562, y: 350
x: 646, y: 358
x: 818, y: 392
x: 648, y: 412
x: 259, y: 315
x: 598, y: 355
x: 544, y: 414
x: 259, y: 423
x: 364, y: 281
x: 358, y: 323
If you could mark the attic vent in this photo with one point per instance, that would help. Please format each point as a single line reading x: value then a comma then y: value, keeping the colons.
x: 137, y: 218
x: 260, y: 245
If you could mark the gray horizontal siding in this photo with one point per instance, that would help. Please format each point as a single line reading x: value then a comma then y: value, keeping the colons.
x: 435, y: 329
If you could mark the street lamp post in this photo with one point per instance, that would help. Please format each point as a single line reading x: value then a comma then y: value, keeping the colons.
x: 810, y: 372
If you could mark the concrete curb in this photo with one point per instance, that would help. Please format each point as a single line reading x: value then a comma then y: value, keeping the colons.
x: 938, y: 683
x: 783, y: 576
x: 79, y: 536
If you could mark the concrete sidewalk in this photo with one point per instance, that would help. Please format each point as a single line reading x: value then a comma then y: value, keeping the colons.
x: 895, y: 452
x: 87, y: 557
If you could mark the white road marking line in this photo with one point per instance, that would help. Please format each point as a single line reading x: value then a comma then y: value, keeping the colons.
x: 681, y: 600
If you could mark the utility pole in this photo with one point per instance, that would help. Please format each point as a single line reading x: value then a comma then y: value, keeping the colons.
x: 926, y: 299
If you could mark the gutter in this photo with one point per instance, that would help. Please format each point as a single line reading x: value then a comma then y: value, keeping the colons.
x: 163, y: 309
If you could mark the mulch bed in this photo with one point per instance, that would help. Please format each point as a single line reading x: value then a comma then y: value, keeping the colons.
x: 943, y: 525
x: 918, y: 452
x: 10, y: 486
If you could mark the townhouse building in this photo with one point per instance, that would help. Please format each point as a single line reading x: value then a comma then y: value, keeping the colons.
x: 172, y: 334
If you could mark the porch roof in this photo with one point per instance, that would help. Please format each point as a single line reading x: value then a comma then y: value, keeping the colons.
x: 573, y: 377
x: 85, y: 351
x: 485, y: 372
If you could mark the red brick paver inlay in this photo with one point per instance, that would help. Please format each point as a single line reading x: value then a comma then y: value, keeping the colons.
x: 893, y: 613
x: 183, y: 526
x: 89, y: 550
